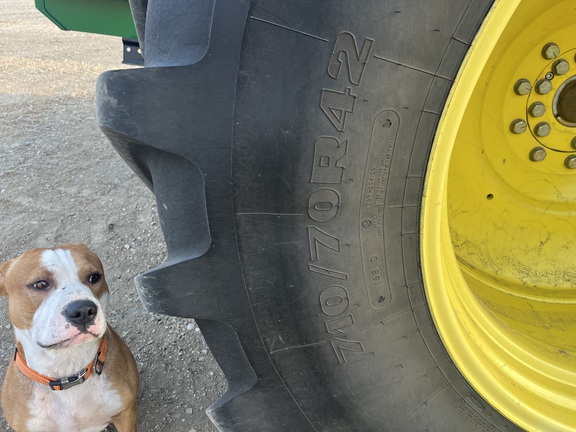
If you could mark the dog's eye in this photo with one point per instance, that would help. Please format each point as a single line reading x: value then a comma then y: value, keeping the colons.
x: 41, y: 285
x: 94, y: 278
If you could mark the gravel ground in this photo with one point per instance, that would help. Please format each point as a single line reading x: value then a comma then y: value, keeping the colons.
x: 60, y: 181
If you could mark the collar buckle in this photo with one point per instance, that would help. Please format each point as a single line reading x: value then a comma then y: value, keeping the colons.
x: 68, y: 382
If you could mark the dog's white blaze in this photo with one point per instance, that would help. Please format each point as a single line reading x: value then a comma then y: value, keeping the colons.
x: 61, y: 264
x: 49, y: 325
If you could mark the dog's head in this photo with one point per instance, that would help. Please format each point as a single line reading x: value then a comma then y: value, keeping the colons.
x: 56, y: 296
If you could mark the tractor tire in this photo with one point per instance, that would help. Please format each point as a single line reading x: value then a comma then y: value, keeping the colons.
x: 288, y: 151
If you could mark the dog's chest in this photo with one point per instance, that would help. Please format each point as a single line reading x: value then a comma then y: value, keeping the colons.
x: 88, y: 407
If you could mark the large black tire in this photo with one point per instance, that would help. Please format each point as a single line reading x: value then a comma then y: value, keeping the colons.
x: 288, y: 156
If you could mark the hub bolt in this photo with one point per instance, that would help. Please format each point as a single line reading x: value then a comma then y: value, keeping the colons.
x: 542, y: 129
x: 570, y: 162
x: 543, y: 86
x: 537, y: 154
x: 537, y: 109
x: 560, y: 67
x: 550, y: 51
x: 518, y: 126
x: 522, y: 87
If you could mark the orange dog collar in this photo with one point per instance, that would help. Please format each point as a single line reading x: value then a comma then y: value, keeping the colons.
x: 97, y: 366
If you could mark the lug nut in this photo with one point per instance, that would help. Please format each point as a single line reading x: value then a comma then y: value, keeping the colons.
x: 518, y: 126
x: 550, y: 51
x: 537, y: 154
x: 542, y: 129
x: 522, y: 87
x: 537, y: 109
x: 560, y: 67
x: 543, y: 86
x: 570, y: 162
x: 573, y: 143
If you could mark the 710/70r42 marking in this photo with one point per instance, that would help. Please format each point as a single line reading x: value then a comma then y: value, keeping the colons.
x: 324, y: 203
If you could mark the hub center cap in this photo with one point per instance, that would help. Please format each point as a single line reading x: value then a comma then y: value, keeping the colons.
x: 565, y: 103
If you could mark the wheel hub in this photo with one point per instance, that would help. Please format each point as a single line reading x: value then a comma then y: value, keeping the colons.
x: 550, y: 111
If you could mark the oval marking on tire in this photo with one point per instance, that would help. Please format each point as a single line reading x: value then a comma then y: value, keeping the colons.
x: 373, y: 208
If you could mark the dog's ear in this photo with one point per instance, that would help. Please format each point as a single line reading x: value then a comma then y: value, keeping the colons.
x: 3, y: 270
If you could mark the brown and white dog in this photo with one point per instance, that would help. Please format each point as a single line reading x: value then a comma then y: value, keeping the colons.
x: 71, y: 371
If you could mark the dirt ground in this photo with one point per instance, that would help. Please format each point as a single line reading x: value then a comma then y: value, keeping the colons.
x: 60, y: 182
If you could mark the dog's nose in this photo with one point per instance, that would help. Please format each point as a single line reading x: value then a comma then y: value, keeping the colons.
x: 81, y: 312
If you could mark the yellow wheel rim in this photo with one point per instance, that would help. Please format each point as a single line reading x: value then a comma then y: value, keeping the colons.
x: 499, y: 215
